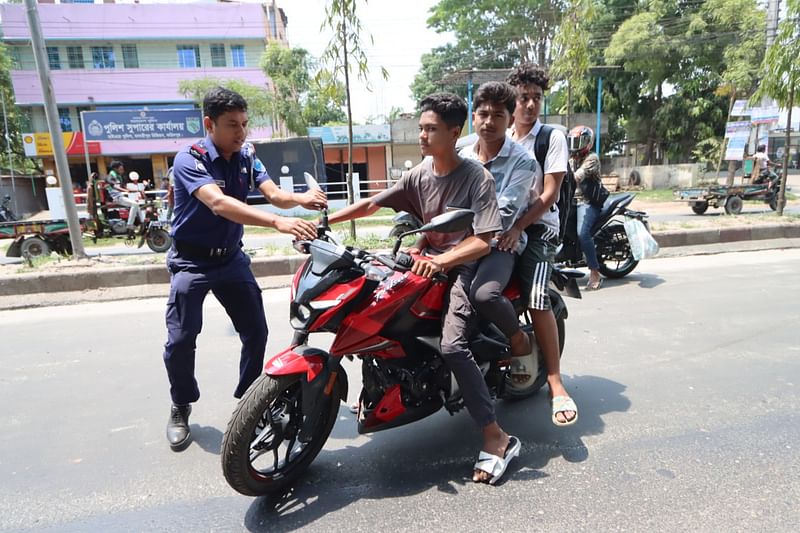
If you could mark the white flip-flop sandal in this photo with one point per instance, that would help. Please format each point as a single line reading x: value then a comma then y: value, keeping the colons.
x: 496, y: 466
x: 561, y: 404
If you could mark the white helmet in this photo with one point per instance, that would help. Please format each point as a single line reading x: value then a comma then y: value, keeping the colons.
x: 133, y: 175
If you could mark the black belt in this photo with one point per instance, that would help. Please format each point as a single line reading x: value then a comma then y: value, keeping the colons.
x: 188, y: 249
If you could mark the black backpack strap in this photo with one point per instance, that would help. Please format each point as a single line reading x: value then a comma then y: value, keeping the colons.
x: 542, y: 144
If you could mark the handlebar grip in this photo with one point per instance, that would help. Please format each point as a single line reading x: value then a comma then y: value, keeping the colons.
x: 440, y: 276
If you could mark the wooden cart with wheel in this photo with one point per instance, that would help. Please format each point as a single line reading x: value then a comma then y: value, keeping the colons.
x: 37, y: 238
x: 730, y: 197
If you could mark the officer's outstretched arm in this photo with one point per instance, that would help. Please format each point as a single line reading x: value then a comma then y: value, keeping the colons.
x: 228, y: 207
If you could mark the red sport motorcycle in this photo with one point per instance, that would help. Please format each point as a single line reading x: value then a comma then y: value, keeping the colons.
x: 389, y: 318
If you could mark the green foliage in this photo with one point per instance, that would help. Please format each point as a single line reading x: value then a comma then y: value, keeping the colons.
x: 345, y: 54
x: 508, y: 32
x: 259, y: 105
x: 780, y: 71
x: 679, y: 62
x: 299, y: 98
x: 707, y: 152
x: 573, y: 50
x: 18, y: 159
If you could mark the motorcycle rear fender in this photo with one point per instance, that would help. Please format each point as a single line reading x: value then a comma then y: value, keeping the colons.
x: 557, y: 303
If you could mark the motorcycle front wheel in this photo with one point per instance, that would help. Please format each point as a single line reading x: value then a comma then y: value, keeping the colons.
x: 261, y: 453
x: 614, y: 252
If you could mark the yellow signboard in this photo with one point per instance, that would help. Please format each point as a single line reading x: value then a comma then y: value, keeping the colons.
x: 41, y: 144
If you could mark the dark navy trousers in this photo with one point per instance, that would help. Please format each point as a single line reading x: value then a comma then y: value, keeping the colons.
x: 233, y: 284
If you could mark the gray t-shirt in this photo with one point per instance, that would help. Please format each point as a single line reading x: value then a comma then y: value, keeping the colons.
x: 425, y: 195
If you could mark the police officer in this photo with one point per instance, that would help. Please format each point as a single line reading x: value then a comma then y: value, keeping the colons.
x: 212, y: 179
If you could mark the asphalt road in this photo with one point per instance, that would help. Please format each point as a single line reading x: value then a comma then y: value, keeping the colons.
x: 685, y: 374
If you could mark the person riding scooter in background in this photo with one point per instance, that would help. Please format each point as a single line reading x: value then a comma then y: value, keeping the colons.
x: 762, y: 165
x: 590, y: 195
x: 118, y: 192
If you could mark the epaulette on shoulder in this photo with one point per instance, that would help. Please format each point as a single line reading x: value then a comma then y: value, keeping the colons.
x: 197, y: 151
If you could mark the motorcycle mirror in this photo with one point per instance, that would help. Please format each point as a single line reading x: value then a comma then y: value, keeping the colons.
x: 449, y: 222
x: 311, y: 183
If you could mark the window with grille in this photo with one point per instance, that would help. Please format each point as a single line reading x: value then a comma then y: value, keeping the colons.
x: 237, y: 55
x: 189, y: 56
x: 75, y: 56
x: 218, y: 55
x: 130, y: 56
x: 16, y: 57
x: 103, y: 57
x: 53, y: 58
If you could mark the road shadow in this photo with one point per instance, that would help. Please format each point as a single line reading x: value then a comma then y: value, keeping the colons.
x: 208, y: 438
x: 436, y: 453
x: 643, y: 279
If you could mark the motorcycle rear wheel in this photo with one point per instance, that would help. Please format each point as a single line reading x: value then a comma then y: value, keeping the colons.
x: 513, y: 392
x: 614, y: 252
x: 264, y: 427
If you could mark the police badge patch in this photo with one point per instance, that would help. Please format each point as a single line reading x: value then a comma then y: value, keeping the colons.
x: 199, y: 166
x: 258, y: 166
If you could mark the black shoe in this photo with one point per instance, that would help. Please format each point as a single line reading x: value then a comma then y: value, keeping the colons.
x: 178, y: 433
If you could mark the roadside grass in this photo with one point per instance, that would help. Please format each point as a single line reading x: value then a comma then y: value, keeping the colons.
x: 382, y: 217
x: 654, y: 195
x: 723, y: 221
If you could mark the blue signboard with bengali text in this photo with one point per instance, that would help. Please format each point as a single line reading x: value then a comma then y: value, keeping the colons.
x: 143, y: 124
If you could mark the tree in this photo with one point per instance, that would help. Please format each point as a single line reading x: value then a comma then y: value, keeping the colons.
x: 345, y: 53
x: 17, y: 159
x: 509, y: 31
x: 324, y: 101
x: 444, y: 60
x: 573, y: 50
x: 301, y: 97
x: 780, y: 78
x: 675, y: 57
x: 259, y: 106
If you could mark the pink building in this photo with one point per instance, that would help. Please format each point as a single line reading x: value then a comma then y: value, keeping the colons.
x: 133, y: 57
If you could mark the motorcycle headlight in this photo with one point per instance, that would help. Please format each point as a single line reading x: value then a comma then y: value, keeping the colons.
x: 300, y: 317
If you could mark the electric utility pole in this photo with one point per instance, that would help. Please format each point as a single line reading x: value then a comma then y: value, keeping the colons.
x: 54, y: 125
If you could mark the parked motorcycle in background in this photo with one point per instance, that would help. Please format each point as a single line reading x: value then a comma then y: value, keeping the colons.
x: 613, y: 248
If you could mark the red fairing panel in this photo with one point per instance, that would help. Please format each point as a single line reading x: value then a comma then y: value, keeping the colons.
x: 296, y: 279
x: 512, y: 289
x: 389, y: 408
x: 359, y: 330
x: 431, y: 303
x: 290, y: 362
x: 343, y: 292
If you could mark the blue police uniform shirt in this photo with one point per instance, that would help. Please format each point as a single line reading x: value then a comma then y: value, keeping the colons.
x: 192, y: 221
